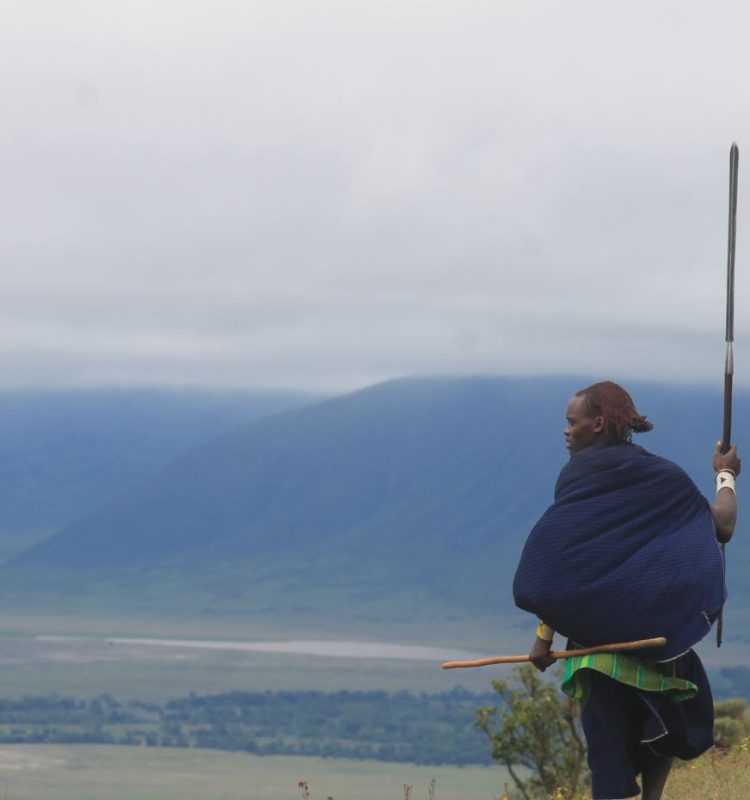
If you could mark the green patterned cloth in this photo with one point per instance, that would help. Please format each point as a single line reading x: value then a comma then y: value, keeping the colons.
x: 631, y: 670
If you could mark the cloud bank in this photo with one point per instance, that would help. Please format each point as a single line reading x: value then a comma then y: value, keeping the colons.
x: 281, y: 194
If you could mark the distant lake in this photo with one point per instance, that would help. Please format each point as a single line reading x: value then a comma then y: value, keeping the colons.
x: 312, y: 647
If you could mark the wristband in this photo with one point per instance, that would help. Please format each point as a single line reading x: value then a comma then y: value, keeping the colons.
x: 544, y: 632
x: 725, y: 480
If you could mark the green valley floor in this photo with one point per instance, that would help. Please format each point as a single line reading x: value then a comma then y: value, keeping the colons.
x: 88, y: 772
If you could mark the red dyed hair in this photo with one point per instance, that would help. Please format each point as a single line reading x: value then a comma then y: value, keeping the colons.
x: 621, y: 418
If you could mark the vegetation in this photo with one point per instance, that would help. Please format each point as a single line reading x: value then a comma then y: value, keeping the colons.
x: 732, y: 722
x: 731, y: 681
x: 304, y: 788
x: 398, y: 727
x: 723, y: 774
x: 536, y: 727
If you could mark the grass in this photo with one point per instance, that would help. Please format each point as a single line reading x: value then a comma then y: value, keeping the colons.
x: 80, y: 772
x: 718, y: 775
x: 715, y: 776
x: 52, y: 772
x: 493, y: 632
x: 116, y: 773
x: 88, y: 669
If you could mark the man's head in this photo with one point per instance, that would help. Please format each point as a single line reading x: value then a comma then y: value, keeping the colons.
x: 603, y: 412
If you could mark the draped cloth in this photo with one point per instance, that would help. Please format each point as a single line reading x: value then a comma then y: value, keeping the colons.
x: 627, y: 551
x: 628, y: 728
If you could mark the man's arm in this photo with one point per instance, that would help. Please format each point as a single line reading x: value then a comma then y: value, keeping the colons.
x: 725, y: 507
x: 540, y: 651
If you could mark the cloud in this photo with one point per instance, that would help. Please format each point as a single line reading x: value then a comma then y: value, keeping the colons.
x: 279, y: 194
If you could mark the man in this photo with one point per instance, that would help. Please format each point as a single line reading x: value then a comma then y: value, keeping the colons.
x: 629, y: 550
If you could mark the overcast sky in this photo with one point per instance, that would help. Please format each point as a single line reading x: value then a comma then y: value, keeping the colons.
x: 323, y: 195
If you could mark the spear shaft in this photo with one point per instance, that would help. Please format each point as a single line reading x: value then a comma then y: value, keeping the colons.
x: 734, y: 156
x: 726, y: 437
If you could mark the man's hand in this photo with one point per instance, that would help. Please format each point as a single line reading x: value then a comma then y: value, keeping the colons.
x: 540, y: 654
x: 725, y: 507
x: 728, y: 460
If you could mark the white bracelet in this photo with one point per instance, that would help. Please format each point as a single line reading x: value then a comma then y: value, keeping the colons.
x: 725, y: 480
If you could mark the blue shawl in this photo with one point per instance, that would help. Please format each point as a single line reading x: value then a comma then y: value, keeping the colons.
x: 627, y: 551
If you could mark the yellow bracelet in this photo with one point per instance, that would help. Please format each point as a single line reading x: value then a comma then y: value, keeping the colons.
x: 544, y: 632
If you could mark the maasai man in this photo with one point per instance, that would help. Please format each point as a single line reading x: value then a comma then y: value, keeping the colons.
x: 629, y: 550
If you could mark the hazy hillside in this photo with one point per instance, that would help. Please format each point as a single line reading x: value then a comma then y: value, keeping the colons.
x: 410, y: 494
x: 63, y: 453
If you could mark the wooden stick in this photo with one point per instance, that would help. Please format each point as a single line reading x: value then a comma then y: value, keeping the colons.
x: 616, y: 647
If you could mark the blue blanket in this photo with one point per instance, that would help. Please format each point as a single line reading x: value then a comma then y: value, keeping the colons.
x: 627, y: 551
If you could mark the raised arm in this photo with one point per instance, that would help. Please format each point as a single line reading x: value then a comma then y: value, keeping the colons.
x: 725, y: 507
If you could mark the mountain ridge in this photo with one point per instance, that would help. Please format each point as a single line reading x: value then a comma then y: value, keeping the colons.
x: 63, y: 452
x: 412, y: 494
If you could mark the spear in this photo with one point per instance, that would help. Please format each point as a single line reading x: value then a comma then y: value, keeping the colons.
x: 615, y: 647
x: 726, y: 438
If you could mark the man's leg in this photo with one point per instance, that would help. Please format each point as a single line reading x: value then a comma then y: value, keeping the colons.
x: 612, y: 722
x: 655, y: 771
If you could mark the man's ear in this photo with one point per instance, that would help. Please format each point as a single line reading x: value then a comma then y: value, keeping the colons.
x: 598, y: 424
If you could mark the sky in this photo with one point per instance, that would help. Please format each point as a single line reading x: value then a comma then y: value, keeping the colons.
x: 324, y: 195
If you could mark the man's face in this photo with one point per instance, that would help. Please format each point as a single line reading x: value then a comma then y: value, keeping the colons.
x: 582, y: 430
